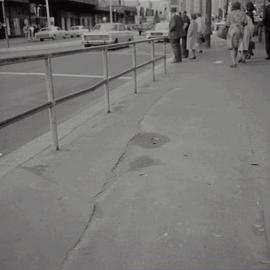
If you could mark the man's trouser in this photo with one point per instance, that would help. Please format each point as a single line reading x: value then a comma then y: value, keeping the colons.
x: 175, y: 43
x: 184, y: 46
x: 267, y: 41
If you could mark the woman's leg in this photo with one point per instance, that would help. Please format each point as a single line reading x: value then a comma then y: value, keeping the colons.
x: 233, y: 56
x: 236, y: 55
x: 192, y: 54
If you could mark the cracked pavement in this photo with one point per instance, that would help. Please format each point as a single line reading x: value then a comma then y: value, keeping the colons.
x: 166, y: 181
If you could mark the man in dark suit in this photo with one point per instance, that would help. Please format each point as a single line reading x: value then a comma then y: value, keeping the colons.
x: 175, y: 33
x: 266, y: 23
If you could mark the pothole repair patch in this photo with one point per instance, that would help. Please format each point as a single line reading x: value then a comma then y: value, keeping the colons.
x: 142, y: 162
x: 149, y: 140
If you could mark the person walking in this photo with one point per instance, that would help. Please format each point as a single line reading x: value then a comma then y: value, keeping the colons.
x: 266, y: 23
x: 245, y: 49
x: 201, y: 31
x: 192, y: 37
x: 186, y: 22
x: 175, y: 33
x: 236, y: 21
x: 25, y: 31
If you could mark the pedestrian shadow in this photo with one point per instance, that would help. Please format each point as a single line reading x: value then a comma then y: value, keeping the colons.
x: 259, y: 61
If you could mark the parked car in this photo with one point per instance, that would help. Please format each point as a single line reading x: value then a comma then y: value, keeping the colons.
x: 53, y: 33
x: 107, y: 33
x: 78, y: 30
x: 147, y: 26
x: 160, y: 30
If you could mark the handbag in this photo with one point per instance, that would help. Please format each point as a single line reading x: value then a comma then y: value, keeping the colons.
x: 202, y: 38
x: 251, y: 45
x: 222, y: 32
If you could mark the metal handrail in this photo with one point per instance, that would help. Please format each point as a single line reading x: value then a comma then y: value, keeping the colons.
x: 52, y: 102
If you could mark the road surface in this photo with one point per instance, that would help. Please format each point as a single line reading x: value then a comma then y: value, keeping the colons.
x: 23, y: 87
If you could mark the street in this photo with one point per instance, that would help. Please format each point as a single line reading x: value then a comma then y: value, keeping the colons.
x: 23, y: 87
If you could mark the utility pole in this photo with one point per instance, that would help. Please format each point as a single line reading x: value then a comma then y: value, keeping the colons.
x: 48, y: 13
x: 5, y: 22
x: 208, y: 22
x: 226, y: 9
x: 260, y: 34
x: 111, y: 15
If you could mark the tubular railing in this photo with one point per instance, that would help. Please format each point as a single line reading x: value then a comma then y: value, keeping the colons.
x: 52, y: 101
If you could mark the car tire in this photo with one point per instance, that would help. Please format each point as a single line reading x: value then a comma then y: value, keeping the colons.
x: 87, y: 45
x: 116, y: 41
x: 41, y: 39
x: 53, y: 37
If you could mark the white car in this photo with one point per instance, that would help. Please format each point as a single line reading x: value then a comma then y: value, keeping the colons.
x: 218, y: 25
x: 77, y: 30
x: 107, y: 33
x: 160, y: 30
x: 52, y: 32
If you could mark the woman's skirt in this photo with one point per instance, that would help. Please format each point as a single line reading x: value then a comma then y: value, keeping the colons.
x: 234, y: 37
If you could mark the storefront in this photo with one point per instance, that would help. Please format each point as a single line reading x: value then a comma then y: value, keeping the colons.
x: 70, y: 13
x: 17, y: 16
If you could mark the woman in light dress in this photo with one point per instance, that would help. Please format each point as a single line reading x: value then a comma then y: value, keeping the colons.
x: 247, y: 38
x: 192, y: 37
x: 236, y: 22
x: 245, y: 48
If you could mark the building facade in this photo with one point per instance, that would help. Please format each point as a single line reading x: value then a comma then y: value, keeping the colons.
x: 64, y: 13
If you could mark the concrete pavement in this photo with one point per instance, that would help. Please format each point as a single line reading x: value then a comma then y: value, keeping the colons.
x: 176, y: 177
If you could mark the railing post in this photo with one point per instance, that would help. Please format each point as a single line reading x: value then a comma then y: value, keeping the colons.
x: 50, y: 94
x: 134, y: 62
x: 165, y: 57
x: 106, y: 77
x: 152, y: 58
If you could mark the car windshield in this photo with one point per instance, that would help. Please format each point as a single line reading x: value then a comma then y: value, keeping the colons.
x: 161, y: 26
x: 105, y: 27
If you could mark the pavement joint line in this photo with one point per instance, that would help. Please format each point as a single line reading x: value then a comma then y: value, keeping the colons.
x: 59, y: 75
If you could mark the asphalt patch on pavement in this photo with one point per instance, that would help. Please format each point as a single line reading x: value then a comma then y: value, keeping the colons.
x: 142, y: 162
x: 149, y: 140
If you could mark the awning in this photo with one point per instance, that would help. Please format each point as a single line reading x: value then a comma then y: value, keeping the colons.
x: 18, y: 1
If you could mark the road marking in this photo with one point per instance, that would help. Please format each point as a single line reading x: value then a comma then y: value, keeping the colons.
x: 59, y: 75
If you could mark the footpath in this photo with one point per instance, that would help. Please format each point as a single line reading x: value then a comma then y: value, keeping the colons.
x: 176, y: 177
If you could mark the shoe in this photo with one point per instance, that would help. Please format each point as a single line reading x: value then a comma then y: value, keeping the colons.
x: 200, y: 51
x: 233, y: 66
x: 174, y: 61
x: 192, y: 58
x: 267, y: 58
